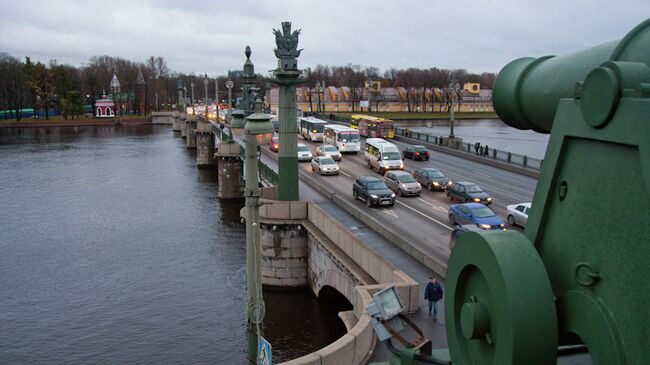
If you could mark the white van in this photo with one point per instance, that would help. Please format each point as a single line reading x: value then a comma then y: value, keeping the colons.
x: 382, y: 155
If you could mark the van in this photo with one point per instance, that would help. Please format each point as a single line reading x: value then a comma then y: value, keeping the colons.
x: 382, y: 155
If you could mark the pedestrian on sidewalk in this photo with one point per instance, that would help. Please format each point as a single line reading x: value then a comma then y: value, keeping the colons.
x: 433, y: 293
x: 477, y: 145
x: 486, y: 152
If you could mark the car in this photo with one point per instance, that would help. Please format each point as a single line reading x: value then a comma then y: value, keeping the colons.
x: 274, y: 143
x: 475, y: 213
x: 459, y: 230
x: 432, y: 178
x: 468, y: 192
x: 328, y: 150
x: 416, y: 153
x: 373, y: 191
x: 403, y: 183
x: 518, y: 214
x: 304, y: 153
x: 324, y: 165
x: 276, y: 124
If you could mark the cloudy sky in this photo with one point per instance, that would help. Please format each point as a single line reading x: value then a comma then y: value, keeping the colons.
x: 210, y: 36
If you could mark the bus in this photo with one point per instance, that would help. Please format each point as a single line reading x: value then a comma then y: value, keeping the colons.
x: 346, y: 139
x: 373, y: 127
x: 312, y: 128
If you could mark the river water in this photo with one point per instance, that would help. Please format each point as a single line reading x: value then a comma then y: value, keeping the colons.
x: 492, y: 132
x: 115, y: 250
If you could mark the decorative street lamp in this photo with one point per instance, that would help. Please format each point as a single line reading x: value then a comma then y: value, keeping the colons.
x: 258, y: 131
x: 184, y: 99
x: 454, y: 86
x: 217, y: 101
x: 205, y: 99
x: 192, y: 100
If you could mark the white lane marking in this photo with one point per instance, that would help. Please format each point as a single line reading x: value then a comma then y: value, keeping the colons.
x: 345, y: 173
x: 436, y: 207
x: 426, y: 216
x: 482, y: 174
x: 389, y: 212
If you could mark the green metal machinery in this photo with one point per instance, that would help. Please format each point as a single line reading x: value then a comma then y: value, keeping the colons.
x: 577, y: 278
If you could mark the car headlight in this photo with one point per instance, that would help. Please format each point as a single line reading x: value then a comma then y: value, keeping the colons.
x: 401, y: 166
x: 449, y: 183
x: 489, y: 199
x: 485, y: 226
x: 435, y: 183
x: 477, y: 199
x: 392, y: 195
x: 402, y: 186
x: 501, y: 225
x: 374, y: 196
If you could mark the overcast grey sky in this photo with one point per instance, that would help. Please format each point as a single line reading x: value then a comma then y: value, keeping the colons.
x: 210, y: 36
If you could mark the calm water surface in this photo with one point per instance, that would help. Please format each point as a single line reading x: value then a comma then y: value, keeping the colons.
x: 492, y: 132
x: 114, y: 249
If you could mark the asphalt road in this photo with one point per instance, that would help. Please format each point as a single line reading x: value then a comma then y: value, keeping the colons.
x: 423, y: 221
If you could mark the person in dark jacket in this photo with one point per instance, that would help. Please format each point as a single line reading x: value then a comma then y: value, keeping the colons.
x: 433, y: 293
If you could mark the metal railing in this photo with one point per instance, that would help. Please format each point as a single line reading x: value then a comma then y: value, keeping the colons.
x: 493, y: 153
x: 267, y: 173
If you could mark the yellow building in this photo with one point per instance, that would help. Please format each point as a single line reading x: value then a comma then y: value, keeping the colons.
x: 389, y: 99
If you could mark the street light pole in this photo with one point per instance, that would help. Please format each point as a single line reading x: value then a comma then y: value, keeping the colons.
x: 192, y: 99
x: 258, y: 131
x: 217, y: 101
x: 454, y: 86
x: 205, y: 98
x: 229, y: 86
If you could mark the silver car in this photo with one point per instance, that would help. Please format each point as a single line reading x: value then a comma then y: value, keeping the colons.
x: 518, y: 214
x: 304, y: 153
x: 403, y: 183
x: 324, y: 165
x: 328, y: 150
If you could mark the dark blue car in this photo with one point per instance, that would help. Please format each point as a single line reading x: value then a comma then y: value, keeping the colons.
x: 475, y: 213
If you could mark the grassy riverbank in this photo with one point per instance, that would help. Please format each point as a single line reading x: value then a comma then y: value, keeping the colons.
x: 59, y: 121
x: 424, y: 116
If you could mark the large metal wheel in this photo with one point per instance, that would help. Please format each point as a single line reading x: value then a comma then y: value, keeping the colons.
x: 499, y: 305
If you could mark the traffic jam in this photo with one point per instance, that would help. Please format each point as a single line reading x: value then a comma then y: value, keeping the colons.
x: 325, y: 145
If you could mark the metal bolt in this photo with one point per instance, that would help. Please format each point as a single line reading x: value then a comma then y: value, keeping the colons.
x: 474, y: 319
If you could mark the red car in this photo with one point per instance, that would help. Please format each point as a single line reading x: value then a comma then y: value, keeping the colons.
x: 274, y: 144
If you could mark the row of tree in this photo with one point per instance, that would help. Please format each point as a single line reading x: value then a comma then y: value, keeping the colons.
x: 151, y: 85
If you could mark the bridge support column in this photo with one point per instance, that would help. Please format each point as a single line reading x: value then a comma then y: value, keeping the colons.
x: 230, y: 167
x: 191, y: 132
x: 183, y: 123
x: 284, y: 244
x: 204, y: 145
x: 284, y: 255
x: 176, y: 122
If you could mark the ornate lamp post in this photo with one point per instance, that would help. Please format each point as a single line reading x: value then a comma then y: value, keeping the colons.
x: 258, y: 130
x: 454, y: 86
x: 184, y: 99
x: 217, y: 100
x: 287, y: 76
x: 205, y: 98
x: 192, y: 100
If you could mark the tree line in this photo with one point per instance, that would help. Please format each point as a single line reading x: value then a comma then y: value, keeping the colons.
x: 151, y: 85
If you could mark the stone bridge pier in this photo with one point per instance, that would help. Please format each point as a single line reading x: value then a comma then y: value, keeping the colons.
x: 176, y: 122
x: 183, y: 123
x: 230, y: 168
x: 205, y: 138
x: 191, y: 123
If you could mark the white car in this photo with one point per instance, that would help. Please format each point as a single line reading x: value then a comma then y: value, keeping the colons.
x: 324, y: 165
x: 518, y: 214
x: 328, y: 150
x: 304, y: 153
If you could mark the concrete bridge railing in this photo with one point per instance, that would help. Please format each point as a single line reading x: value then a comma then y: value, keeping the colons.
x: 339, y: 259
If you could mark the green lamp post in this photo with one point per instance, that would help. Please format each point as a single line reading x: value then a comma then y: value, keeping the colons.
x: 454, y: 86
x: 258, y: 131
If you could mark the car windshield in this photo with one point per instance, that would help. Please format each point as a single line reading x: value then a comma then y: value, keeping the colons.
x: 303, y: 148
x: 473, y: 189
x: 391, y: 156
x: 420, y: 148
x: 327, y: 161
x: 482, y: 212
x: 317, y: 128
x: 435, y: 173
x: 349, y: 136
x: 376, y: 185
x: 329, y: 149
x: 405, y: 179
